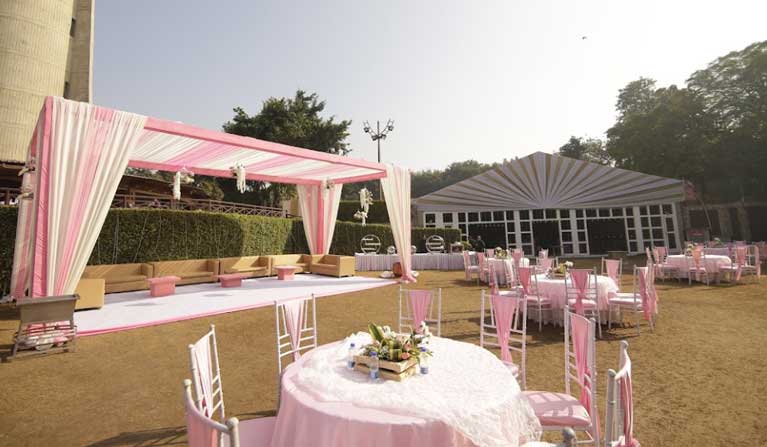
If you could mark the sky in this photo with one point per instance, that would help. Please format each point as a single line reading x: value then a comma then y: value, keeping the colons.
x: 483, y: 80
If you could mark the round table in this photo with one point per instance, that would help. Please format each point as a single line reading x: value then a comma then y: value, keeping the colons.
x: 498, y: 265
x: 468, y: 398
x: 554, y: 289
x: 713, y: 263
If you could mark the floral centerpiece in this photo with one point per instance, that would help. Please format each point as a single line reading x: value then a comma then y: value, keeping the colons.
x: 500, y: 253
x: 398, y: 354
x: 690, y: 248
x: 562, y: 269
x: 716, y: 243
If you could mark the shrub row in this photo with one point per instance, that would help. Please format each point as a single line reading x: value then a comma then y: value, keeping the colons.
x: 143, y: 235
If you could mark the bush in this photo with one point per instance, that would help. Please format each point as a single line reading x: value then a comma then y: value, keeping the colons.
x: 145, y: 235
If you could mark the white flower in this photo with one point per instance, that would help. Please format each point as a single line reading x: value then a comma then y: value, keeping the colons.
x: 568, y: 264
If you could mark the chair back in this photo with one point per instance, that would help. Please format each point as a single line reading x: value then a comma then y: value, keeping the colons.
x: 528, y: 281
x: 580, y: 362
x: 697, y: 260
x: 506, y: 328
x: 467, y: 264
x: 543, y: 253
x: 415, y: 306
x: 296, y: 332
x: 517, y: 255
x: 613, y: 269
x: 545, y: 264
x: 202, y: 431
x: 648, y: 253
x: 661, y: 253
x: 619, y: 418
x: 581, y: 285
x: 206, y: 374
x: 492, y: 278
x: 508, y: 273
x: 489, y: 252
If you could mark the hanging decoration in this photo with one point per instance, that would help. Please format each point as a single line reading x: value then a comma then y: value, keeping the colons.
x: 238, y: 171
x: 184, y: 176
x: 366, y: 199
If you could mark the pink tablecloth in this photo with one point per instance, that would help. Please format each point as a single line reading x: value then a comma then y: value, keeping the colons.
x: 554, y: 289
x: 318, y: 393
x: 713, y: 263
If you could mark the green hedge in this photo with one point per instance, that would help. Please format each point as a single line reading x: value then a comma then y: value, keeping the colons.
x: 377, y: 214
x: 144, y: 235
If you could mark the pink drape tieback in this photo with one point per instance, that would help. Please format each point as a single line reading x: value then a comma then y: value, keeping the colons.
x: 294, y: 320
x: 525, y: 273
x: 419, y: 304
x: 644, y: 293
x: 503, y: 309
x: 580, y: 334
x: 199, y: 434
x: 580, y: 279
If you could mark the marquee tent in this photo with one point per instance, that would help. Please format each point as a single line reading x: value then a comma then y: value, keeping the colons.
x: 79, y: 152
x: 578, y: 206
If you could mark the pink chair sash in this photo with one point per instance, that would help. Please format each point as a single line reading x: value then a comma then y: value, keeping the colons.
x: 204, y: 373
x: 612, y: 269
x: 697, y: 255
x: 467, y: 265
x: 199, y: 434
x: 644, y: 293
x: 419, y: 304
x: 503, y: 311
x: 545, y: 263
x: 482, y: 262
x: 516, y: 255
x: 525, y: 274
x: 661, y: 256
x: 294, y: 320
x: 543, y: 254
x: 492, y: 280
x: 580, y: 280
x: 627, y: 405
x: 579, y: 327
x: 740, y: 259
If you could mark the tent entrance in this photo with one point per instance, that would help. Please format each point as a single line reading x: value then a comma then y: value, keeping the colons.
x: 493, y: 234
x: 546, y: 236
x: 606, y: 235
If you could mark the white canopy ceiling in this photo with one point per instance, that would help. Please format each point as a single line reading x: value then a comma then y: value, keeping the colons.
x: 551, y: 181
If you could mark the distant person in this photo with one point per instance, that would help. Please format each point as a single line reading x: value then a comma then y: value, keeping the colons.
x: 479, y: 245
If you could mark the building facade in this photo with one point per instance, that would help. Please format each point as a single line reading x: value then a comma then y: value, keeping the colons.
x: 573, y: 207
x: 46, y: 48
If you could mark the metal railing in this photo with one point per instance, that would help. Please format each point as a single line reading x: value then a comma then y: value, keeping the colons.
x: 9, y: 196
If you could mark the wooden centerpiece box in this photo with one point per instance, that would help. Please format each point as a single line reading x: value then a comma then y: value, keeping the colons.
x: 397, y: 371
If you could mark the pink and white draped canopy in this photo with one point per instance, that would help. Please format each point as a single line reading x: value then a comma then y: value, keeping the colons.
x: 79, y: 151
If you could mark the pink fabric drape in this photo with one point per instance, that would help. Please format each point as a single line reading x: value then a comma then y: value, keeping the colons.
x: 204, y: 374
x: 525, y: 274
x: 396, y: 190
x: 644, y: 293
x: 612, y: 269
x: 199, y: 433
x: 625, y: 388
x: 580, y: 280
x: 516, y: 255
x: 503, y: 310
x: 294, y: 320
x: 319, y: 210
x: 419, y: 305
x: 581, y: 335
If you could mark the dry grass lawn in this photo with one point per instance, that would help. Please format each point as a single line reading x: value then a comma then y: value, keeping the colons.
x: 699, y: 378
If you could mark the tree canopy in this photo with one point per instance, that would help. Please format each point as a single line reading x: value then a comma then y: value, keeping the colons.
x: 294, y: 121
x: 713, y: 131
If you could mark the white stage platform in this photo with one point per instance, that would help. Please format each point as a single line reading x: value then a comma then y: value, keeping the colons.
x: 130, y: 310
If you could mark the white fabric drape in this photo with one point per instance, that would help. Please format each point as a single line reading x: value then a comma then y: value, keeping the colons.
x: 309, y: 199
x: 396, y: 190
x: 89, y: 150
x: 25, y: 223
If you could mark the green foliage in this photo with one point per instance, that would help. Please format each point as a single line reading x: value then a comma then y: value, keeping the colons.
x: 588, y: 149
x: 378, y: 213
x: 293, y: 121
x: 713, y: 132
x: 428, y: 181
x: 145, y: 235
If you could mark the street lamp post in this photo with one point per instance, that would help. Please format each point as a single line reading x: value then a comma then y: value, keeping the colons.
x: 379, y: 134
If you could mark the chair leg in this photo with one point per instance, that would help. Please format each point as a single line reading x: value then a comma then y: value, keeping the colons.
x: 540, y: 317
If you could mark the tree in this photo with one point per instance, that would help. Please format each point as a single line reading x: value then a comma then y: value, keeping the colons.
x: 294, y: 121
x: 588, y: 149
x: 430, y: 180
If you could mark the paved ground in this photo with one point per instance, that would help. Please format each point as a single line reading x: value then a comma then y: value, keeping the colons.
x: 699, y: 379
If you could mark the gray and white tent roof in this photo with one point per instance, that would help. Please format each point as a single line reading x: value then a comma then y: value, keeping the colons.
x: 551, y: 181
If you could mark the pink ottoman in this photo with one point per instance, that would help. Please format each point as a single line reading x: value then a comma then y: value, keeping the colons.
x: 285, y: 272
x: 162, y: 286
x: 231, y: 279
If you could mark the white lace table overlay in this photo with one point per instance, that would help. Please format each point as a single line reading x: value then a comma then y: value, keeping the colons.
x: 467, y: 388
x: 554, y: 289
